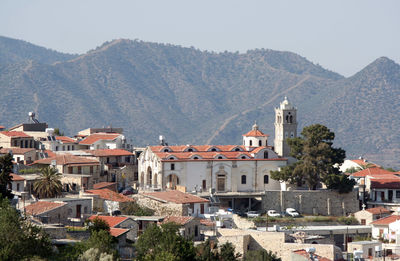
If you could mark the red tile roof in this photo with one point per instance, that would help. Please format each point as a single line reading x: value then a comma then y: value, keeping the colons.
x: 102, y: 185
x: 386, y: 220
x: 2, y: 127
x: 116, y: 232
x: 109, y: 152
x: 371, y: 171
x: 112, y: 221
x: 176, y: 196
x: 255, y: 133
x: 89, y: 140
x: 304, y: 253
x: 180, y: 220
x: 363, y: 162
x: 50, y: 153
x: 378, y: 210
x: 387, y: 183
x: 16, y: 177
x: 19, y: 134
x: 17, y: 151
x: 65, y: 139
x: 110, y: 195
x: 204, y: 152
x: 65, y: 159
x: 41, y: 207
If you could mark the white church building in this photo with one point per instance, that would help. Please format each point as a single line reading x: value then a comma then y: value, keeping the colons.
x: 221, y: 168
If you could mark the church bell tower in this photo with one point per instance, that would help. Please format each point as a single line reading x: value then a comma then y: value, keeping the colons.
x: 285, y: 127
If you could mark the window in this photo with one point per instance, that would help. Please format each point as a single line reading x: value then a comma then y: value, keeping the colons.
x: 251, y: 143
x: 15, y: 143
x: 190, y: 150
x: 79, y: 170
x: 237, y: 149
x: 363, y: 222
x: 18, y: 159
x: 266, y: 179
x: 91, y: 169
x: 196, y: 158
x: 292, y: 135
x: 73, y: 147
x: 397, y: 193
x: 128, y: 159
x: 68, y: 147
x: 17, y: 186
x: 108, y: 160
x: 26, y: 143
x: 166, y: 150
x: 243, y: 157
x: 213, y: 149
x: 265, y: 154
x: 220, y: 157
x: 259, y: 143
x: 172, y: 166
x: 204, y: 184
x: 286, y: 134
x: 266, y: 143
x: 56, y: 148
x: 243, y: 179
x: 70, y: 170
x: 30, y: 144
x: 63, y: 148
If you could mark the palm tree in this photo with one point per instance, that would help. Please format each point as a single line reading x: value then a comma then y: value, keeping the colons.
x: 49, y: 184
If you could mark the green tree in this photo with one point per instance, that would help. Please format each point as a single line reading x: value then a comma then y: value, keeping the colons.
x: 207, y: 251
x: 94, y: 254
x: 6, y: 166
x: 133, y: 208
x: 58, y: 132
x: 316, y: 160
x: 227, y: 252
x: 20, y: 239
x: 162, y: 241
x: 98, y: 224
x: 102, y: 240
x: 260, y: 255
x: 49, y: 185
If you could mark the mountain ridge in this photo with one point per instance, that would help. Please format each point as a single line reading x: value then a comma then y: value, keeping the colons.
x: 187, y: 94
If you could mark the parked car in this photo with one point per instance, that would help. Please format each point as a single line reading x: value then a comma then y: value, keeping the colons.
x: 273, y: 213
x: 252, y: 214
x: 292, y: 212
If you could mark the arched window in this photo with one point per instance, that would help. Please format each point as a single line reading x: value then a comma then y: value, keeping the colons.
x: 291, y: 119
x: 287, y: 118
x: 243, y: 179
x: 213, y: 149
x: 265, y: 154
x: 266, y: 179
x: 237, y: 149
x: 220, y: 157
x: 195, y: 157
x: 166, y: 150
x: 251, y: 143
x: 177, y: 180
x: 266, y: 143
x: 190, y: 150
x: 243, y: 157
x: 259, y: 143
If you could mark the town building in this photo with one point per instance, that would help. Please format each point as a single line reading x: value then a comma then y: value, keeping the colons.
x: 367, y: 216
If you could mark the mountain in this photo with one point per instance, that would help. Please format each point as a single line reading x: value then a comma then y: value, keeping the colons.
x: 197, y: 97
x: 14, y: 51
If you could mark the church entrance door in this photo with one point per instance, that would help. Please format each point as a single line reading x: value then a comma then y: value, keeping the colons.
x: 221, y: 184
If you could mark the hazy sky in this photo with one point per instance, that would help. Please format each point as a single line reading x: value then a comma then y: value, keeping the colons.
x: 341, y: 35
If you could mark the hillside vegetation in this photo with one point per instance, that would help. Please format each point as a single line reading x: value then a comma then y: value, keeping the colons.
x: 196, y: 97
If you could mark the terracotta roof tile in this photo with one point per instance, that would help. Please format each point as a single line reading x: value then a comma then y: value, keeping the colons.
x: 65, y: 159
x: 89, y: 140
x: 16, y: 177
x: 255, y: 133
x: 110, y: 195
x: 18, y: 151
x: 102, y: 185
x: 65, y: 139
x: 112, y: 221
x: 207, y: 222
x: 109, y: 152
x: 19, y: 134
x: 378, y: 210
x: 362, y: 162
x: 176, y: 196
x: 386, y: 220
x: 116, y: 232
x: 388, y: 183
x: 371, y: 171
x: 41, y: 207
x: 180, y: 220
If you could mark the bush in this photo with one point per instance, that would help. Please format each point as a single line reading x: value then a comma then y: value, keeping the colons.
x: 133, y: 208
x: 348, y: 220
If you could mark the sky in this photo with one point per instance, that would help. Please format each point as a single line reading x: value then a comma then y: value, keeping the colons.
x: 341, y: 35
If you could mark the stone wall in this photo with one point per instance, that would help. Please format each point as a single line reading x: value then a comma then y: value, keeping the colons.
x: 314, y: 202
x: 160, y: 208
x: 273, y: 241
